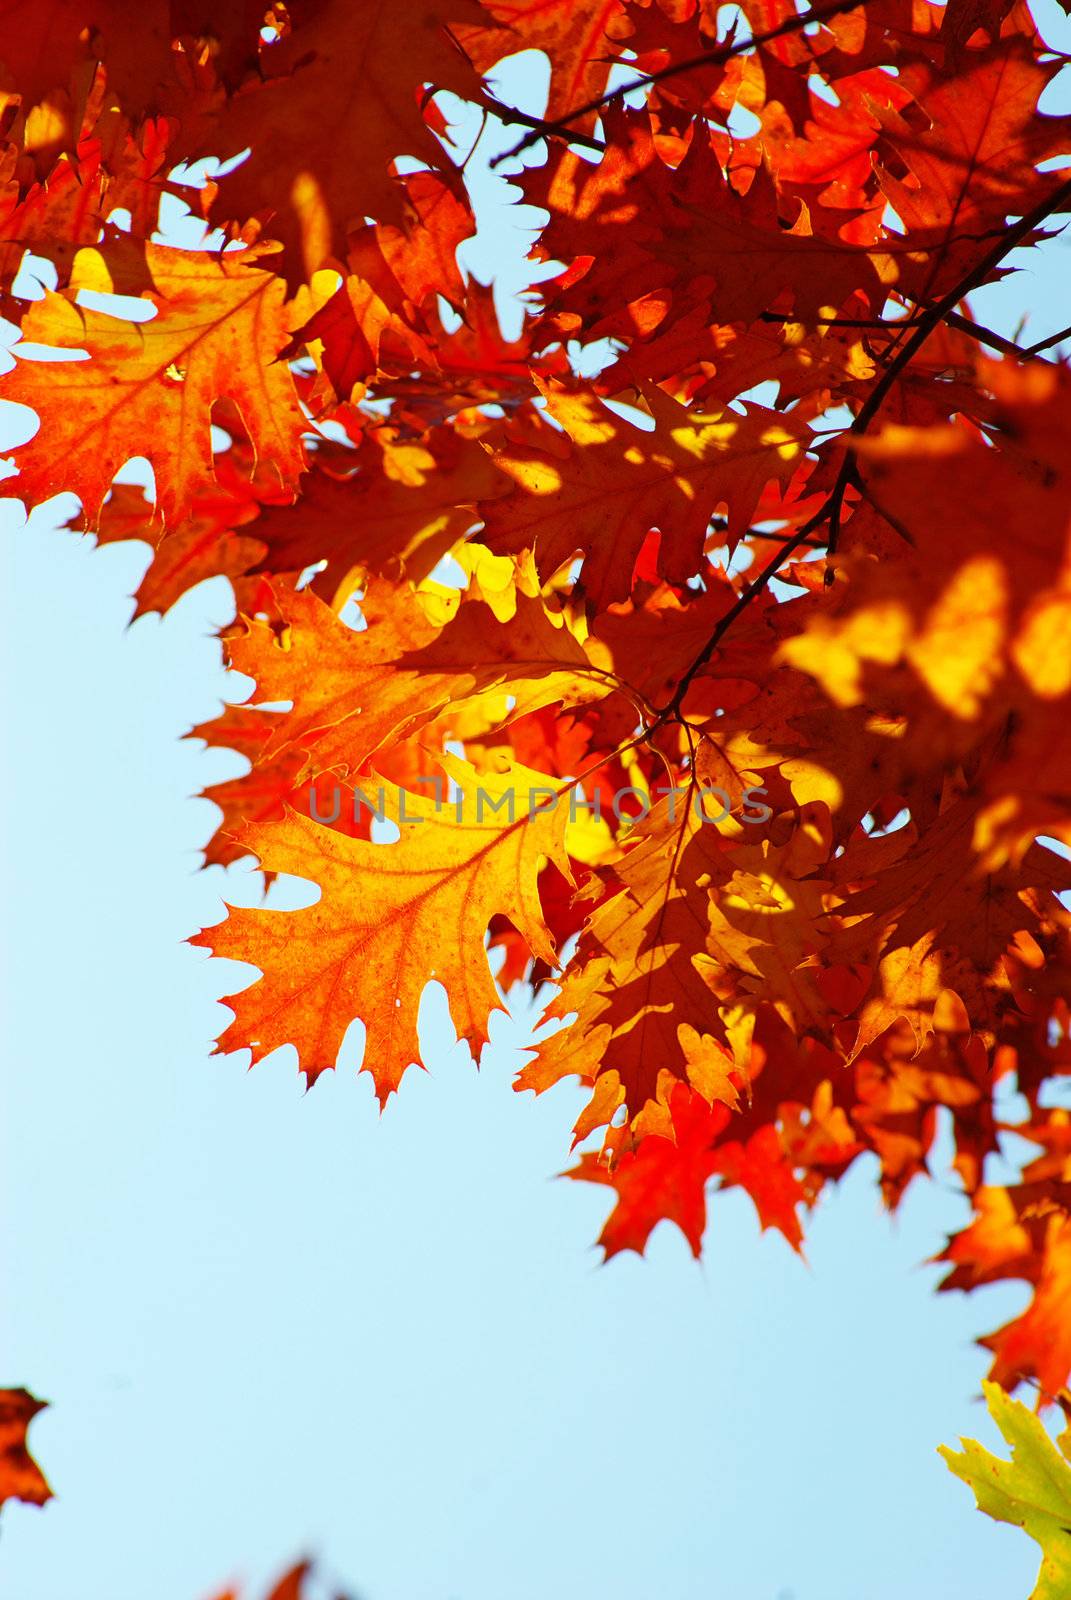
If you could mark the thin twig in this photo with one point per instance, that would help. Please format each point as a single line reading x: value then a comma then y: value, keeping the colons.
x: 898, y: 325
x: 995, y: 341
x: 1043, y: 344
x: 891, y: 325
x: 832, y: 507
x: 743, y: 600
x: 783, y: 538
x: 510, y: 114
x: 926, y: 324
x: 715, y: 56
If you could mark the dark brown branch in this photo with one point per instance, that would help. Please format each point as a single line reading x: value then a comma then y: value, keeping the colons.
x: 891, y: 325
x: 721, y: 524
x: 783, y: 538
x: 930, y: 319
x: 1044, y: 344
x: 715, y: 56
x: 510, y: 114
x: 975, y: 330
x: 831, y: 509
x: 794, y: 542
x: 955, y: 319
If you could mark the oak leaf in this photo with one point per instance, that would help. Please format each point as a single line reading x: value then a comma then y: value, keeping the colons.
x: 1032, y: 1490
x: 334, y: 104
x: 378, y: 934
x: 978, y: 159
x: 20, y: 1476
x: 618, y: 482
x: 148, y: 388
x: 663, y: 1178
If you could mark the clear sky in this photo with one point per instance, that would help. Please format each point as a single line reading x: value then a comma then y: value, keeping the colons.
x: 271, y: 1322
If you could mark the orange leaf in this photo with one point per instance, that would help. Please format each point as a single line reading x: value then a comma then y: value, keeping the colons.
x: 20, y: 1476
x: 390, y: 918
x: 148, y: 388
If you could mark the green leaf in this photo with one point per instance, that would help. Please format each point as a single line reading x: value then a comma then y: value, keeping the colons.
x: 1032, y: 1490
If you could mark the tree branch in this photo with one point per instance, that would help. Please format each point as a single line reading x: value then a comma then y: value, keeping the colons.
x: 510, y: 114
x: 715, y: 56
x: 926, y: 324
x: 955, y: 319
x: 1043, y: 344
x: 975, y: 330
x: 831, y: 509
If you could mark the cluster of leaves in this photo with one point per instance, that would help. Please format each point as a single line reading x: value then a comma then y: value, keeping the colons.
x: 750, y: 501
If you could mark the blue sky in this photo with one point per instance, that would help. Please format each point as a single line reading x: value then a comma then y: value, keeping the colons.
x: 271, y: 1322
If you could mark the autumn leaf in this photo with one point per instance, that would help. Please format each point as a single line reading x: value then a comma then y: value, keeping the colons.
x: 402, y: 670
x: 768, y: 926
x: 1021, y: 1232
x: 20, y: 1476
x: 634, y: 978
x: 688, y: 239
x: 619, y: 482
x: 378, y: 934
x: 149, y: 387
x: 294, y: 1584
x: 663, y: 1178
x: 208, y: 543
x: 1031, y: 1491
x: 978, y: 159
x: 344, y: 79
x: 394, y: 504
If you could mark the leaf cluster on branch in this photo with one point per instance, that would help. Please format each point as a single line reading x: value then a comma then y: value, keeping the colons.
x: 748, y: 554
